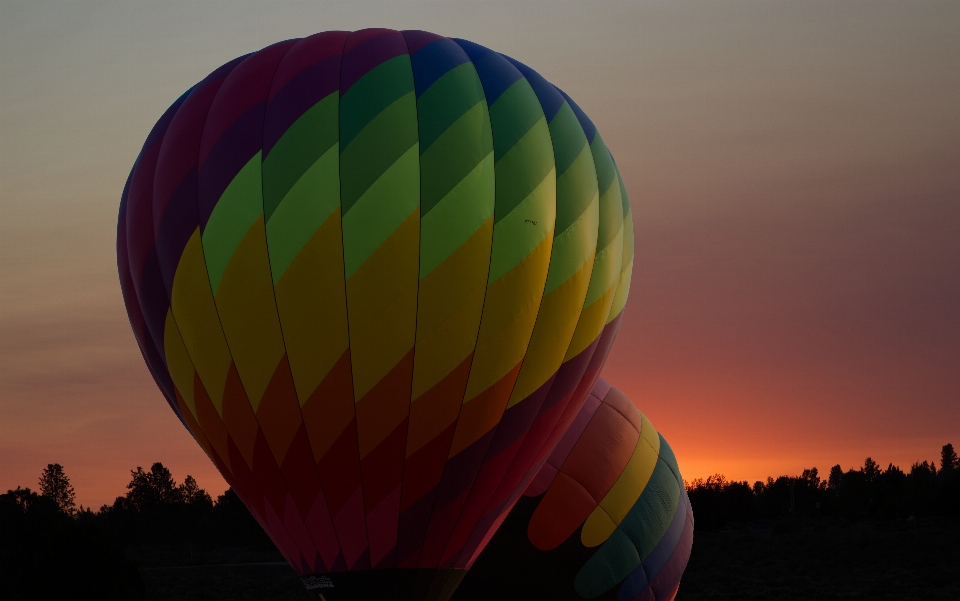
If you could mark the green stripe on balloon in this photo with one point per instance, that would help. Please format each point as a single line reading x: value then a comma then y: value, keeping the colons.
x: 446, y: 100
x: 240, y: 205
x: 522, y: 147
x: 297, y: 150
x: 456, y: 164
x: 306, y: 205
x: 575, y: 234
x: 454, y: 154
x: 574, y: 166
x: 614, y: 562
x: 371, y: 94
x: 384, y: 140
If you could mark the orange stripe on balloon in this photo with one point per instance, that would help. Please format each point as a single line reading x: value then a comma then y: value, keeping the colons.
x: 279, y: 411
x: 483, y: 412
x: 437, y: 409
x: 238, y: 416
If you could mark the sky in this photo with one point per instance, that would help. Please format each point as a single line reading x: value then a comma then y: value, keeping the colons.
x: 793, y: 168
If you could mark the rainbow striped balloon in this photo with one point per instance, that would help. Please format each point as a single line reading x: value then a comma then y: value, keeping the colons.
x: 375, y: 274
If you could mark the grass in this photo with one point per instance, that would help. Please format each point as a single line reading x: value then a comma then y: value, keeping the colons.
x: 808, y: 560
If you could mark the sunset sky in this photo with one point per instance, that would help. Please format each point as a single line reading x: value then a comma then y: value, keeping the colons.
x: 793, y: 166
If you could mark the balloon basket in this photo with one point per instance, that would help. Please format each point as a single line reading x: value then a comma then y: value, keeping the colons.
x: 394, y: 583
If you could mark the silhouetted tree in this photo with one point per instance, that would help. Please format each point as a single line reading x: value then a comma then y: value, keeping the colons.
x: 192, y: 494
x: 948, y: 459
x: 147, y: 490
x: 870, y: 469
x: 55, y: 485
x: 835, y: 480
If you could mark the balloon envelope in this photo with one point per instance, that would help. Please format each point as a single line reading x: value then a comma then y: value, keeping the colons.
x: 375, y: 275
x: 607, y: 517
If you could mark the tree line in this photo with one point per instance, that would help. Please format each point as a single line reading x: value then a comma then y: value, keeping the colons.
x: 50, y: 547
x: 868, y: 492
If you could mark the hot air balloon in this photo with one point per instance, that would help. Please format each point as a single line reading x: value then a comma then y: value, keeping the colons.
x: 607, y: 517
x: 375, y: 274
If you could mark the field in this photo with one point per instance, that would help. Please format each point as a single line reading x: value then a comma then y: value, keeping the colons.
x: 785, y: 559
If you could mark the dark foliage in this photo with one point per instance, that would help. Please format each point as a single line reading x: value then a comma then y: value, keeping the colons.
x: 827, y: 559
x: 156, y: 511
x: 869, y: 492
x: 866, y: 533
x: 49, y: 550
x: 47, y: 554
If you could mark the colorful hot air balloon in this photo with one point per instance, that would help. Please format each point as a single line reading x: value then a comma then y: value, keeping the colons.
x: 607, y: 517
x: 375, y: 274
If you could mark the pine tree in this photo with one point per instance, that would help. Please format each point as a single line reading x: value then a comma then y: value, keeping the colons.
x: 55, y: 484
x: 948, y: 459
x: 836, y: 477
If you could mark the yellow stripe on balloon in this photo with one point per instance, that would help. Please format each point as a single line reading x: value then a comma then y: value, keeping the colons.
x: 509, y: 312
x: 382, y: 305
x: 248, y: 313
x: 556, y: 323
x: 449, y: 305
x: 196, y: 314
x: 178, y: 362
x: 313, y: 307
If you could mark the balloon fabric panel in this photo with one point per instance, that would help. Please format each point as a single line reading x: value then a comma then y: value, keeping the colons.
x: 518, y: 263
x: 548, y: 403
x: 457, y: 184
x: 380, y: 198
x: 572, y: 257
x: 168, y: 225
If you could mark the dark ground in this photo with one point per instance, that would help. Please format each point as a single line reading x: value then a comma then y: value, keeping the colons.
x: 815, y: 559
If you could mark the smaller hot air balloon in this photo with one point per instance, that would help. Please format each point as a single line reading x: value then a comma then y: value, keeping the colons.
x: 607, y: 516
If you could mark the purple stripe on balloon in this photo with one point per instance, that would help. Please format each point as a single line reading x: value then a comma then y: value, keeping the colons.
x: 139, y: 212
x: 148, y: 350
x: 175, y: 187
x: 246, y: 86
x: 158, y: 369
x: 513, y: 425
x: 153, y: 300
x: 179, y: 222
x: 461, y: 470
x: 653, y: 563
x: 646, y: 595
x: 156, y: 134
x: 413, y: 524
x: 376, y: 47
x: 233, y: 150
x: 181, y: 144
x: 307, y: 88
x: 417, y: 39
x: 569, y: 375
x: 516, y: 420
x: 308, y: 51
x: 605, y: 342
x: 575, y: 431
x: 564, y: 384
x: 668, y: 579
